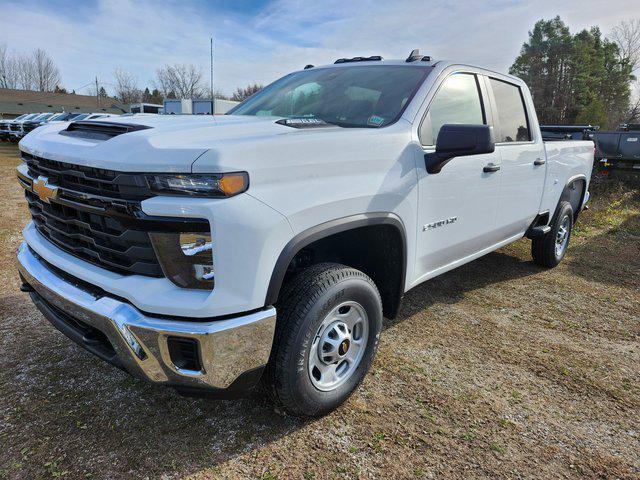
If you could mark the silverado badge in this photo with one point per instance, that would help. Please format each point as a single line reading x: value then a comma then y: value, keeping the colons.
x: 441, y: 223
x: 44, y: 189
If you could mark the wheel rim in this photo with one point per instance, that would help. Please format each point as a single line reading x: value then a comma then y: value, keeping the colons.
x: 562, y: 236
x: 338, y: 346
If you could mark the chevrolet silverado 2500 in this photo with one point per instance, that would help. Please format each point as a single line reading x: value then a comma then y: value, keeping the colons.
x: 211, y: 254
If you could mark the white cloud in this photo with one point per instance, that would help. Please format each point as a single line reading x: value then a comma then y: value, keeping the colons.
x: 141, y: 36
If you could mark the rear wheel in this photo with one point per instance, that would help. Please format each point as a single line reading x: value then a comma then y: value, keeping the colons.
x: 329, y: 321
x: 549, y: 250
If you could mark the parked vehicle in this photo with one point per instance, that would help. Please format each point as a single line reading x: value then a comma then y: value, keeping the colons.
x: 30, y: 125
x: 94, y: 116
x: 207, y: 253
x: 13, y: 127
x: 64, y: 117
x: 5, y: 129
x: 619, y: 151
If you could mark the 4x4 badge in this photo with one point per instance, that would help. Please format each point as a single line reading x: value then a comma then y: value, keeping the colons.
x: 44, y: 189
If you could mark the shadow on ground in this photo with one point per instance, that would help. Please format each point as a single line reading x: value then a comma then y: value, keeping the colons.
x: 452, y: 286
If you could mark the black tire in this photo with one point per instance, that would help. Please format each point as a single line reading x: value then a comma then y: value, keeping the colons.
x: 302, y: 307
x: 543, y: 249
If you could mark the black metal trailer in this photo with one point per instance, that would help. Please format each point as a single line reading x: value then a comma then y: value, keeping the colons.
x: 617, y: 150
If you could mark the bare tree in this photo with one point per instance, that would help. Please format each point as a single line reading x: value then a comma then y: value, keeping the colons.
x: 16, y: 70
x: 627, y: 36
x: 180, y: 80
x: 127, y: 90
x: 242, y: 94
x: 633, y: 114
x: 46, y: 76
x: 8, y: 71
x: 25, y: 72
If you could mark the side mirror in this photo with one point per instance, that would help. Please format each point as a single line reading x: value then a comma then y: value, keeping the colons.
x: 459, y: 141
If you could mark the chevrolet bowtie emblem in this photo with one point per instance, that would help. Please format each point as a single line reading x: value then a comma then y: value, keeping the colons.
x: 44, y: 189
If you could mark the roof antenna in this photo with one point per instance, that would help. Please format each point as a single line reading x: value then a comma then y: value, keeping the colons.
x: 414, y: 56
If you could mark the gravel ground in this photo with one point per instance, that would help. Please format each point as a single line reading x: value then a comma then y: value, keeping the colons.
x: 498, y: 369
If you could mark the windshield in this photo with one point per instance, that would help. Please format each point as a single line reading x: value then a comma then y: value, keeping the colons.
x: 42, y: 117
x: 31, y: 116
x: 79, y: 117
x: 57, y: 116
x: 358, y: 96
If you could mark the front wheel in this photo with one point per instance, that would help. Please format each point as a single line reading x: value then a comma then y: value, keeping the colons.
x: 549, y: 250
x: 330, y: 318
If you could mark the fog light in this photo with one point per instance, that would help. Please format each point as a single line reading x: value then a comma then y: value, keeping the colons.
x: 186, y: 258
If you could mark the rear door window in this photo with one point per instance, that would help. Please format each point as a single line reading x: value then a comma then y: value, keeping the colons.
x: 512, y: 115
x: 457, y: 101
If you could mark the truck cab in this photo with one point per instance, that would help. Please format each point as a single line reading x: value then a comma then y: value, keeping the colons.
x: 266, y: 245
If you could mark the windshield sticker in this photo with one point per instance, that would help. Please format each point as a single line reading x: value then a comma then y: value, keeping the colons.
x: 375, y: 120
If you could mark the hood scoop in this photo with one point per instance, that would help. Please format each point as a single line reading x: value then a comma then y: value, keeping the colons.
x: 99, y: 130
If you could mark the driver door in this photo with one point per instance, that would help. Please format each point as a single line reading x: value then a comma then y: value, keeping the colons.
x: 457, y: 207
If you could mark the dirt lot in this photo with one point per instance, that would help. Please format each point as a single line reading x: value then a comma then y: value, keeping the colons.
x: 498, y: 369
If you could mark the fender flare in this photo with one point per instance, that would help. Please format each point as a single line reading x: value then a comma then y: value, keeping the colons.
x: 323, y: 230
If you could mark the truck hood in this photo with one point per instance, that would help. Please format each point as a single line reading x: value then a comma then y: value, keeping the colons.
x: 170, y: 143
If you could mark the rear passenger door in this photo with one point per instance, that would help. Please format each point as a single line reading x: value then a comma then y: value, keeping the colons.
x: 522, y: 158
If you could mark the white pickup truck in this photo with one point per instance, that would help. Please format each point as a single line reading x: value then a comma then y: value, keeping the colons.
x: 210, y: 253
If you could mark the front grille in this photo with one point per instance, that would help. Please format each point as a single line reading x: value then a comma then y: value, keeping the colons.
x: 96, y: 215
x: 95, y: 181
x: 29, y: 127
x: 103, y: 240
x: 15, y: 128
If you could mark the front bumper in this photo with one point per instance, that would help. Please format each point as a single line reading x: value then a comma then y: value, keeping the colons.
x: 231, y: 352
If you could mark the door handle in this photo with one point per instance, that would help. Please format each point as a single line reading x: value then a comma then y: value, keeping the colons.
x: 491, y: 168
x: 539, y: 161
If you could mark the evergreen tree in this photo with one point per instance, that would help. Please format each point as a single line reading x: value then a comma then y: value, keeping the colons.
x: 579, y: 78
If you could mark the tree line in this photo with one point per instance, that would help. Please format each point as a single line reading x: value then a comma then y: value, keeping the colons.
x: 581, y: 78
x: 37, y: 71
x: 173, y: 81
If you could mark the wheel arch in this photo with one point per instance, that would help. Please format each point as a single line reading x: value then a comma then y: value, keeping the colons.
x: 573, y: 196
x: 325, y: 231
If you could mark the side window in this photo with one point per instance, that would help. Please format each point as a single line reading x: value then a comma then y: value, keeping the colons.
x: 457, y: 101
x: 512, y: 115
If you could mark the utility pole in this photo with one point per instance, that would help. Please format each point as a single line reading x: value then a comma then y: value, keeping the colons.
x: 213, y: 102
x: 97, y: 94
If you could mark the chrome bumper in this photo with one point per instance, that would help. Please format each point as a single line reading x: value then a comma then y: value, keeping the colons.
x: 227, y: 348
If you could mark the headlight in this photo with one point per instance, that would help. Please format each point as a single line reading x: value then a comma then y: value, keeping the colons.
x: 200, y: 185
x: 186, y: 258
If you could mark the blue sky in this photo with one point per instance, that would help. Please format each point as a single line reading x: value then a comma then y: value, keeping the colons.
x: 259, y: 41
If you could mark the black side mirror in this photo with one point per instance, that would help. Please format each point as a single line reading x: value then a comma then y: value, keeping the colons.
x: 459, y: 141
